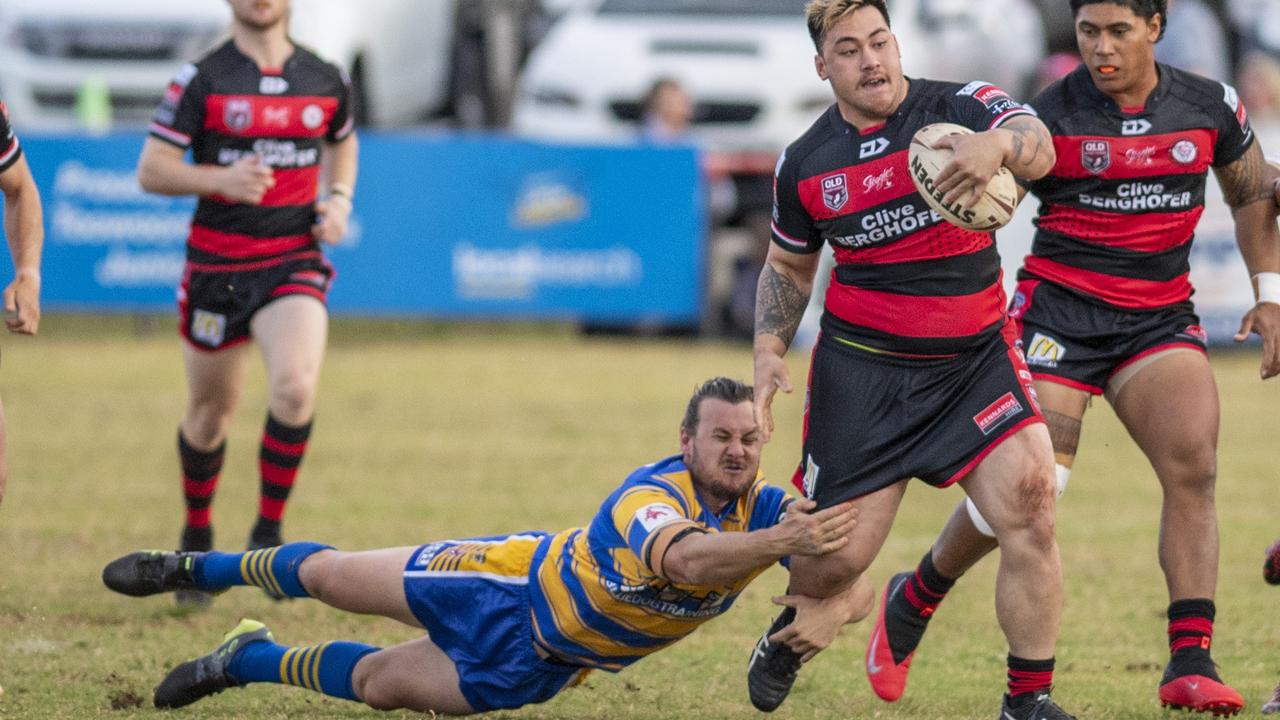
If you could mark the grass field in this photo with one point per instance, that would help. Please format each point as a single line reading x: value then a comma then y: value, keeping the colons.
x: 430, y: 432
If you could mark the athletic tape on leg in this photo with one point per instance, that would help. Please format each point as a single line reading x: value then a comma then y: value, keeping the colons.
x: 1063, y: 474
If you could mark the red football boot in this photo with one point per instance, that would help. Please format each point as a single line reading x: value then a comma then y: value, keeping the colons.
x: 887, y: 677
x: 1200, y: 694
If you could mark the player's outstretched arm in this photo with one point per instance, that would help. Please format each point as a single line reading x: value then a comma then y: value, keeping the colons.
x: 24, y: 228
x: 162, y: 169
x: 1247, y: 186
x: 782, y: 294
x: 686, y: 554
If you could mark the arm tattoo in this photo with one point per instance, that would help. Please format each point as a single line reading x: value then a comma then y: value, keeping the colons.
x: 1064, y: 432
x: 779, y: 305
x: 1027, y: 140
x: 1244, y: 181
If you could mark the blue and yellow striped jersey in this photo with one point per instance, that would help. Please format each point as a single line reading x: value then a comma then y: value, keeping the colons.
x: 596, y: 599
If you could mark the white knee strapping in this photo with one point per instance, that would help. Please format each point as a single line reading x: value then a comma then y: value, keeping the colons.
x: 979, y: 522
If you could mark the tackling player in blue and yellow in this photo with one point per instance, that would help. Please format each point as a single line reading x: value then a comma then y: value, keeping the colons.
x: 512, y: 620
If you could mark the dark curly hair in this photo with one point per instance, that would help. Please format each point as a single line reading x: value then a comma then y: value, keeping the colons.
x: 1145, y: 9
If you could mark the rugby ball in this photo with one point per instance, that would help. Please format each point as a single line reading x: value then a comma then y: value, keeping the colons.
x: 993, y: 210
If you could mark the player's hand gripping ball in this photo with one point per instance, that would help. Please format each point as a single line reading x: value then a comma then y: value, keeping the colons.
x: 993, y: 210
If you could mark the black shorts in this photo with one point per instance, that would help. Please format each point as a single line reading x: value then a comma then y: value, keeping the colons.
x: 872, y: 420
x: 1081, y: 344
x: 215, y: 307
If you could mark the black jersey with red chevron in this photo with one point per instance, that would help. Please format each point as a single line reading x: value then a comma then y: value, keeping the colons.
x: 224, y: 107
x: 906, y: 282
x: 1119, y: 209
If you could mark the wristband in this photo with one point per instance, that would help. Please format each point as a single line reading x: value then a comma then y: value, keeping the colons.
x: 341, y: 190
x: 1268, y: 287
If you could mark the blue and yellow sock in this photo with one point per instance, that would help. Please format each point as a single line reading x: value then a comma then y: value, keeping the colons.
x: 274, y: 569
x: 323, y: 668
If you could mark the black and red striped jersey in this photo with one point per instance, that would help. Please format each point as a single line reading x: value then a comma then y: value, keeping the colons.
x: 1120, y: 207
x: 906, y: 281
x: 8, y: 141
x: 224, y: 107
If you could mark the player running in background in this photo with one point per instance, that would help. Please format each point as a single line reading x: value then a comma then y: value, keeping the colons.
x: 512, y: 620
x: 915, y: 373
x: 1104, y: 307
x: 24, y: 229
x: 256, y: 113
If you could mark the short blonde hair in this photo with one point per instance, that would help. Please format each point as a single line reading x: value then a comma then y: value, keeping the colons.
x: 822, y: 15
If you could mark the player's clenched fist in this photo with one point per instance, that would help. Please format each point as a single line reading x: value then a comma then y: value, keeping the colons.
x: 817, y: 533
x: 247, y: 180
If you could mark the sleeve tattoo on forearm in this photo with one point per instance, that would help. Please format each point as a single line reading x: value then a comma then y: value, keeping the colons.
x: 779, y: 305
x: 1244, y: 181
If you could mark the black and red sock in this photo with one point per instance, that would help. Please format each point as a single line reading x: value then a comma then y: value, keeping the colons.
x: 200, y: 471
x: 1190, y: 637
x: 911, y: 607
x: 278, y: 462
x: 1028, y: 679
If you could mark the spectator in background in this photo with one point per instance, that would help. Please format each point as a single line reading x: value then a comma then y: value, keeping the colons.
x: 1195, y: 40
x: 668, y: 112
x: 734, y: 255
x: 1259, y: 82
x: 24, y: 228
x: 1053, y: 68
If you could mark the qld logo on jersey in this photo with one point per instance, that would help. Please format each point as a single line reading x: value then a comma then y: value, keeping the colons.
x: 835, y: 191
x: 1095, y: 156
x: 238, y: 114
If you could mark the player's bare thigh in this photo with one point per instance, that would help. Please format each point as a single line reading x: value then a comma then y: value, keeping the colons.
x: 1170, y: 407
x: 1013, y: 487
x: 416, y: 675
x: 369, y: 583
x: 828, y: 574
x: 292, y: 332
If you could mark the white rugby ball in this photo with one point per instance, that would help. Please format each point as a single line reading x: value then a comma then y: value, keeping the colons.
x: 993, y: 210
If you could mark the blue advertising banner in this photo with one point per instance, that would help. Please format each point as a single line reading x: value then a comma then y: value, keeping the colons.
x: 479, y: 227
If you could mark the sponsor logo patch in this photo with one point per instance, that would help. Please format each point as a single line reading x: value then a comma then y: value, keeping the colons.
x: 875, y: 183
x: 1140, y: 156
x: 835, y: 191
x: 997, y: 413
x: 312, y: 117
x: 1185, y: 152
x: 208, y: 327
x: 991, y: 95
x: 810, y: 476
x: 871, y: 148
x: 1135, y: 127
x: 273, y: 85
x: 1095, y: 156
x: 1197, y: 332
x: 1044, y: 351
x: 275, y: 116
x: 655, y: 515
x: 973, y: 87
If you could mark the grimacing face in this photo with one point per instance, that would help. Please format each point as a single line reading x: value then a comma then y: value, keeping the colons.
x: 861, y: 60
x: 1118, y: 46
x: 723, y: 452
x: 259, y: 14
